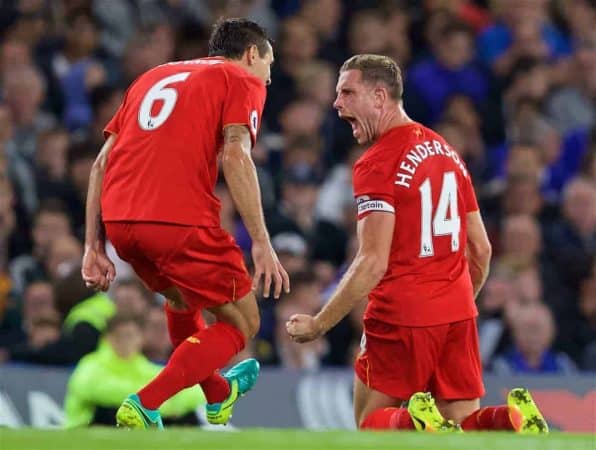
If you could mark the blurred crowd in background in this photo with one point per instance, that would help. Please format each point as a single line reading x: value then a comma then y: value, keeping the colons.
x: 511, y: 84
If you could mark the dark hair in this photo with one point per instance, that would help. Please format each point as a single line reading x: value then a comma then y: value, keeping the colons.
x: 377, y: 68
x: 103, y: 94
x: 231, y: 37
x: 51, y: 205
x: 85, y: 149
x: 123, y: 319
x: 137, y: 284
x: 453, y: 28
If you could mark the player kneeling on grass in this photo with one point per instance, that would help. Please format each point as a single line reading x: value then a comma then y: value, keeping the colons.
x: 423, y: 256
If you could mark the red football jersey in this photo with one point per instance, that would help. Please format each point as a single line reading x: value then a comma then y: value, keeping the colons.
x: 413, y: 173
x: 163, y: 166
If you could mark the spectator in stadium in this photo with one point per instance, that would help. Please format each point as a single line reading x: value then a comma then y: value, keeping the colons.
x: 530, y: 80
x: 292, y: 250
x: 493, y: 333
x: 156, y: 341
x: 299, y: 190
x: 7, y: 217
x: 64, y: 254
x: 24, y: 90
x: 336, y: 190
x: 43, y: 331
x: 14, y: 53
x: 50, y: 222
x: 316, y: 81
x: 461, y: 125
x: 85, y: 315
x: 449, y: 71
x: 150, y: 46
x: 465, y: 10
x: 77, y: 69
x: 81, y: 156
x: 398, y: 30
x: 38, y: 303
x: 304, y: 296
x: 51, y: 163
x: 301, y: 117
x: 571, y: 106
x: 121, y: 367
x: 303, y: 152
x: 577, y: 334
x: 580, y: 16
x: 297, y: 44
x: 325, y: 17
x: 131, y: 297
x: 104, y: 101
x: 533, y: 330
x: 571, y: 241
x: 522, y: 29
x: 367, y: 32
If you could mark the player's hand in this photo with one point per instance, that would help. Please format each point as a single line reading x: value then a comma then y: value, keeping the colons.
x: 97, y: 270
x: 267, y: 265
x: 303, y: 328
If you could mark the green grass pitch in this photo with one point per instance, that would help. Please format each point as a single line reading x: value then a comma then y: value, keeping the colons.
x: 261, y: 439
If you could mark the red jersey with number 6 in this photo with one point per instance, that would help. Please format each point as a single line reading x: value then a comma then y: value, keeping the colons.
x: 413, y: 173
x: 163, y: 166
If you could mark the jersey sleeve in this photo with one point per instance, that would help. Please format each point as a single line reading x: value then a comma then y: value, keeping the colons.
x: 113, y: 126
x: 373, y: 189
x: 469, y: 194
x: 115, y: 123
x: 244, y: 103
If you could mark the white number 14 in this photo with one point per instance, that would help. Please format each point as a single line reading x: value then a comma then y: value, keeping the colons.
x: 441, y: 225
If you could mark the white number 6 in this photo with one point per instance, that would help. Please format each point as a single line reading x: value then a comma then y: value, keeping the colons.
x: 157, y: 92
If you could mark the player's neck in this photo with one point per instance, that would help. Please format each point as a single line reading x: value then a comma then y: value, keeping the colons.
x: 396, y: 117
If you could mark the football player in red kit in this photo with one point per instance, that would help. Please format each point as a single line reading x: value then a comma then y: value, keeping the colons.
x: 151, y: 191
x: 423, y: 257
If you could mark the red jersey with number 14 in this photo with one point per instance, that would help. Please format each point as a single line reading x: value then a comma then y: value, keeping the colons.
x: 163, y: 166
x: 413, y: 173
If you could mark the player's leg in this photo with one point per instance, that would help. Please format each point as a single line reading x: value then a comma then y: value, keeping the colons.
x: 374, y: 410
x: 199, y: 355
x: 395, y: 363
x: 458, y: 387
x: 182, y: 323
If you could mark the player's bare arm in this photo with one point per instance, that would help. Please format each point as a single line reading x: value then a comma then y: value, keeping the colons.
x: 375, y: 233
x: 478, y: 250
x: 241, y: 177
x: 97, y: 269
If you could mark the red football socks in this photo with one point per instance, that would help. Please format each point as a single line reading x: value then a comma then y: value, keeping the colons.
x: 493, y: 418
x: 185, y: 323
x: 193, y: 361
x: 388, y: 419
x: 182, y: 323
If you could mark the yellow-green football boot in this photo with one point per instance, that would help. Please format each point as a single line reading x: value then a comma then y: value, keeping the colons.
x: 132, y: 414
x: 241, y: 378
x: 426, y: 416
x: 532, y: 420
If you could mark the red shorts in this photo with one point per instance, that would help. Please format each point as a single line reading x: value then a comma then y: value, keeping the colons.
x: 205, y: 264
x: 443, y: 359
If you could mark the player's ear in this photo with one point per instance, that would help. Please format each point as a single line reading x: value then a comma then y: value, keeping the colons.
x: 380, y: 95
x: 252, y: 53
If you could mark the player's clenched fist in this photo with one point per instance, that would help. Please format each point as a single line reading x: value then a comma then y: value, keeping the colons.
x: 303, y: 328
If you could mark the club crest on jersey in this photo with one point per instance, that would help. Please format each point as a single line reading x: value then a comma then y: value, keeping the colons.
x: 254, y: 121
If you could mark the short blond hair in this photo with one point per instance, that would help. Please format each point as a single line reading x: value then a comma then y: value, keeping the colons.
x: 375, y: 69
